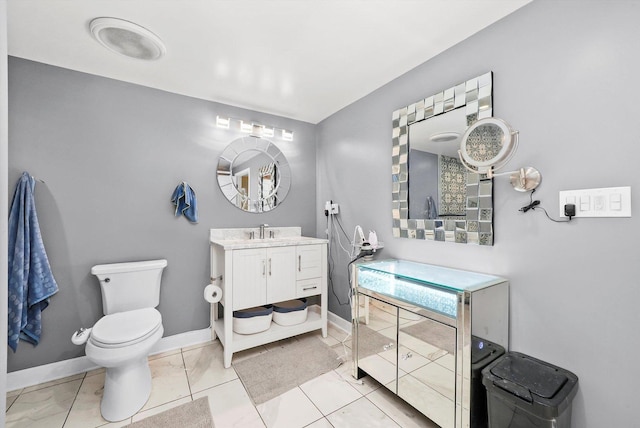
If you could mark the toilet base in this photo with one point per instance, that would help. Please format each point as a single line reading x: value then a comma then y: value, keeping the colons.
x: 126, y: 390
x: 127, y: 383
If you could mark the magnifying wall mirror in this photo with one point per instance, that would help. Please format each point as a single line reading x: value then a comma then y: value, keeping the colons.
x: 488, y: 145
x: 435, y: 197
x: 253, y: 174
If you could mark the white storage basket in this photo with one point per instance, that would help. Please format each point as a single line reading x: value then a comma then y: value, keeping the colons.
x: 252, y: 320
x: 290, y: 312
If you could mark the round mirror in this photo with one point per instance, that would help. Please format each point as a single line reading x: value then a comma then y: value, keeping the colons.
x: 253, y: 174
x: 488, y: 143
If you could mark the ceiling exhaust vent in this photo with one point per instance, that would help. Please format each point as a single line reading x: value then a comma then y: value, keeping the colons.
x: 127, y: 38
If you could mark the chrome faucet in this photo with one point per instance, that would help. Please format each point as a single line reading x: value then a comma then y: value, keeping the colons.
x: 262, y: 228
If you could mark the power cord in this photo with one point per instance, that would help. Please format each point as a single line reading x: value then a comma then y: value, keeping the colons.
x: 534, y: 205
x: 335, y: 234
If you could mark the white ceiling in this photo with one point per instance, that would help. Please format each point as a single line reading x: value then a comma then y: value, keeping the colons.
x: 302, y: 59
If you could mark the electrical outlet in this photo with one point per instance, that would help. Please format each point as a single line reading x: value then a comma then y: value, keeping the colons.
x: 335, y: 209
x: 605, y: 202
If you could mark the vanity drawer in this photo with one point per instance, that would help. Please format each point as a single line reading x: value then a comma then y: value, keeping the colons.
x: 308, y: 287
x: 309, y: 261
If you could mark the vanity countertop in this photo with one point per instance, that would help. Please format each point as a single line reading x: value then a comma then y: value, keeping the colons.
x: 237, y: 244
x: 236, y: 239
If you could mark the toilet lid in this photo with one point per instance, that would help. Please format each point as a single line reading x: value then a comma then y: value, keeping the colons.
x: 128, y: 326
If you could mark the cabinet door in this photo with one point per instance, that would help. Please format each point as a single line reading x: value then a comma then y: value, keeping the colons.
x: 281, y: 276
x: 378, y: 351
x: 249, y: 278
x: 309, y: 261
x: 426, y: 361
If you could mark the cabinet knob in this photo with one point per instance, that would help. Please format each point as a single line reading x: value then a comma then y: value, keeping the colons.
x: 406, y: 356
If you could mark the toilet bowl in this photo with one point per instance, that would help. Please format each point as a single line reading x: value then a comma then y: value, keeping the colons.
x: 121, y: 343
x: 122, y: 339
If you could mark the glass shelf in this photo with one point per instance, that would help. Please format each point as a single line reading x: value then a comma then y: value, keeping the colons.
x: 438, y: 276
x: 431, y: 287
x: 408, y: 291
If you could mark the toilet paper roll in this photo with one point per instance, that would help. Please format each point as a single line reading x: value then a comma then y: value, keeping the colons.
x: 212, y: 293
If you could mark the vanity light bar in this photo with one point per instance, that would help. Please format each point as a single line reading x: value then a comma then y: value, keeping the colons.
x: 268, y: 131
x: 255, y: 129
x: 223, y: 122
x: 287, y: 135
x: 246, y: 127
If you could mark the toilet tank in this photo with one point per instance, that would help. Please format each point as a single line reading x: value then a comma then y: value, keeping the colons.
x: 129, y: 286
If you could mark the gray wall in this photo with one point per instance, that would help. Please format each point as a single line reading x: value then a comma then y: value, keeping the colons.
x: 111, y: 154
x: 565, y: 76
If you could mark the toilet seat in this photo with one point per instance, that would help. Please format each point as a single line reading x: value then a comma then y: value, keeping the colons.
x: 125, y: 328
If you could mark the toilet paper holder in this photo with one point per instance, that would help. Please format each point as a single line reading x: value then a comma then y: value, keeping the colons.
x: 212, y: 292
x: 217, y: 278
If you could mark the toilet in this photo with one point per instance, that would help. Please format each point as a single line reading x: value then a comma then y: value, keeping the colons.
x: 122, y: 339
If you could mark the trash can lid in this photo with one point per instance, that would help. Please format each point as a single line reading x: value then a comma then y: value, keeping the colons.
x: 542, y: 388
x: 539, y: 379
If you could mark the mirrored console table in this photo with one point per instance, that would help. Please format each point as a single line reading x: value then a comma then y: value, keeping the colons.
x: 441, y: 318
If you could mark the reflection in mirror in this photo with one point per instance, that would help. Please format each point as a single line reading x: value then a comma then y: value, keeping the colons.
x: 434, y: 196
x: 430, y: 388
x: 253, y: 174
x: 437, y: 186
x: 268, y: 186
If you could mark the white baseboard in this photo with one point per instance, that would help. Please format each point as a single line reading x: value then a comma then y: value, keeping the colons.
x: 182, y: 340
x: 40, y: 374
x: 339, y: 322
x: 48, y: 372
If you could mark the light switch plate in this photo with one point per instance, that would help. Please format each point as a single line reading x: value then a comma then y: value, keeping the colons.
x: 604, y: 202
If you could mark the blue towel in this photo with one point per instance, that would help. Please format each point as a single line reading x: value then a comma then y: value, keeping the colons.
x: 184, y: 198
x: 31, y: 281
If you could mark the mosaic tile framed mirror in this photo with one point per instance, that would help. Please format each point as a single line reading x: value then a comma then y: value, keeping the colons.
x: 434, y: 197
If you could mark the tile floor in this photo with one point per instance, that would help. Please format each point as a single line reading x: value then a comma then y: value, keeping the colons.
x: 331, y: 400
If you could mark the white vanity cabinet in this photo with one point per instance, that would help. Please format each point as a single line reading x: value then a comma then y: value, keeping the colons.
x: 440, y: 320
x: 255, y: 272
x: 263, y: 275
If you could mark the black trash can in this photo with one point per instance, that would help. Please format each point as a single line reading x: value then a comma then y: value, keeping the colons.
x: 483, y: 353
x: 524, y: 392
